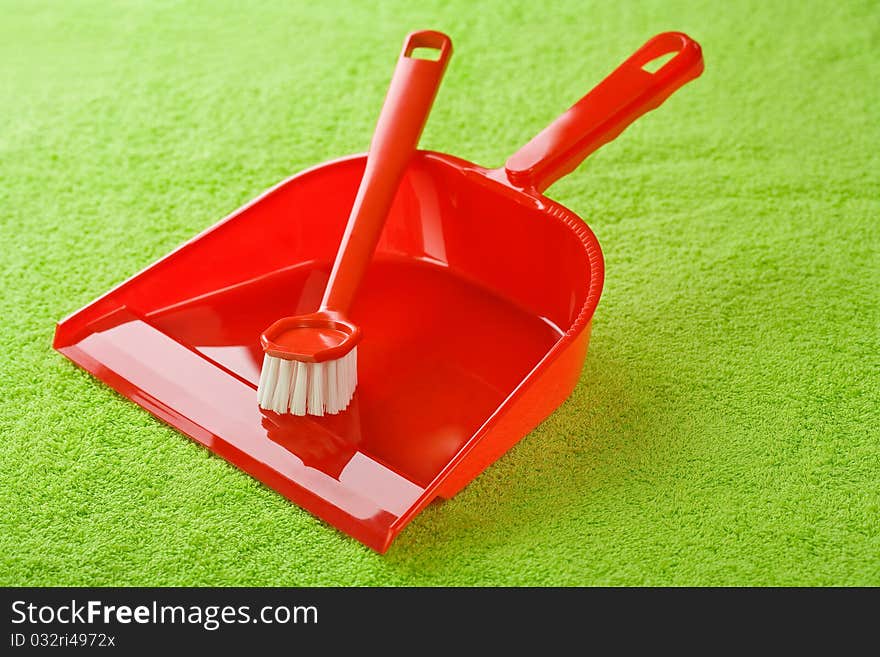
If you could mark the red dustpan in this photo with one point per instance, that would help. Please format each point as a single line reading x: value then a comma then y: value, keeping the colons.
x: 475, y: 314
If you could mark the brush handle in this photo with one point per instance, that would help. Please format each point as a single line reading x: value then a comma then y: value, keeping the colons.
x: 597, y: 118
x: 407, y: 104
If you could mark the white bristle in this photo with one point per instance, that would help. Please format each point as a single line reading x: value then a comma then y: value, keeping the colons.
x: 281, y: 398
x: 301, y: 389
x: 316, y: 388
x: 262, y: 386
x: 268, y: 377
x: 328, y: 392
x: 298, y: 388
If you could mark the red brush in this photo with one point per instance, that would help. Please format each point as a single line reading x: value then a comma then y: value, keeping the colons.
x: 310, y: 362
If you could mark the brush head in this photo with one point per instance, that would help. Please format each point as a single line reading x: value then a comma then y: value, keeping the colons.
x: 310, y: 364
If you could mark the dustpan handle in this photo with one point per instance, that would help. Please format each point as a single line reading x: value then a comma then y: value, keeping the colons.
x: 597, y: 118
x: 407, y: 104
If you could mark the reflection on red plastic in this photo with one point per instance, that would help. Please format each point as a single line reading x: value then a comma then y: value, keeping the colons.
x: 475, y: 316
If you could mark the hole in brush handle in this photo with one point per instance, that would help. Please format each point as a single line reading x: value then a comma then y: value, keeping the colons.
x: 423, y: 52
x: 428, y: 45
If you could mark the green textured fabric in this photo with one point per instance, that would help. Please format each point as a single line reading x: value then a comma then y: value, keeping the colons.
x: 725, y: 429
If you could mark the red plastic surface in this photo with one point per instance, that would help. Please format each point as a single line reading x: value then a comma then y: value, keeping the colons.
x: 315, y: 337
x: 606, y: 111
x: 327, y: 334
x: 413, y: 88
x: 475, y: 314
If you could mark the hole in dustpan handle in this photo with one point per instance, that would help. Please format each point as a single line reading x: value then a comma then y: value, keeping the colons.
x: 597, y: 118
